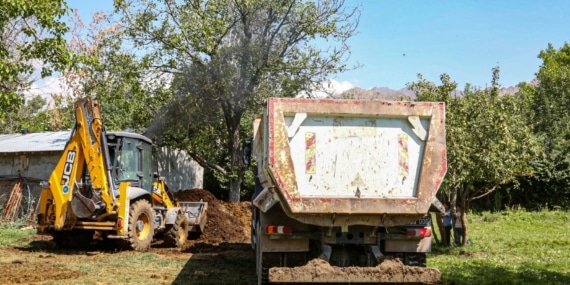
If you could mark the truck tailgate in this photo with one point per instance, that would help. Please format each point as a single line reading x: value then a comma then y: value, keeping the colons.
x: 351, y: 157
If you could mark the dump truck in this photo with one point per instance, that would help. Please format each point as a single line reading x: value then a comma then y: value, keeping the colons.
x: 104, y: 188
x: 345, y: 184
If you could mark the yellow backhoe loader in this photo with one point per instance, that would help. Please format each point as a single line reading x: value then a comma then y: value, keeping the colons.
x: 104, y: 187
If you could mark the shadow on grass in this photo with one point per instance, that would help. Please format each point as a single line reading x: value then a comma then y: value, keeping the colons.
x: 220, y: 264
x: 234, y: 263
x: 442, y: 249
x: 227, y: 263
x: 205, y: 247
x: 48, y: 246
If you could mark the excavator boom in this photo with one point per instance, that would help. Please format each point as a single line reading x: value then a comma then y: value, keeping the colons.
x: 82, y: 152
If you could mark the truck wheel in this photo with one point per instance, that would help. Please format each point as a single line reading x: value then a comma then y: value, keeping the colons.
x: 141, y: 225
x: 177, y: 233
x: 415, y: 259
x: 253, y: 235
x: 262, y: 271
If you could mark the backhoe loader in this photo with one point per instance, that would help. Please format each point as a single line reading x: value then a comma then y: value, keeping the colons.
x: 104, y: 187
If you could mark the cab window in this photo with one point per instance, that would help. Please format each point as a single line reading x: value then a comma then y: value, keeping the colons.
x: 128, y: 160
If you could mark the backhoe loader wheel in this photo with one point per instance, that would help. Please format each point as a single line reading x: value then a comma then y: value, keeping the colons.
x: 141, y: 225
x: 177, y: 233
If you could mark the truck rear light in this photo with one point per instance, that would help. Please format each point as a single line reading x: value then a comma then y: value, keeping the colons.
x: 119, y: 223
x: 271, y: 230
x: 419, y: 232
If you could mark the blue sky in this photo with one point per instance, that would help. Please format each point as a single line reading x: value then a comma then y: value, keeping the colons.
x: 464, y: 38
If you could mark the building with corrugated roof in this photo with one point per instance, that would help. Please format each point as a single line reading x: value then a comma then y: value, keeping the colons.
x: 33, y: 156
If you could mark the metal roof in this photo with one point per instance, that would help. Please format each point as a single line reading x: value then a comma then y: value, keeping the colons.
x: 34, y: 142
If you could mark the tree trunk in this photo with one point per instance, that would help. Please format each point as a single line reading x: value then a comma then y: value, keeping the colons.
x: 441, y: 228
x: 464, y: 224
x: 465, y: 207
x: 453, y: 198
x: 236, y: 161
x: 235, y: 189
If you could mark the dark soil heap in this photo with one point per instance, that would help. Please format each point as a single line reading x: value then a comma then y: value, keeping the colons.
x: 227, y: 222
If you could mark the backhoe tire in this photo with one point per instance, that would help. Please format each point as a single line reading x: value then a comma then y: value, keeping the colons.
x: 141, y: 225
x: 177, y: 233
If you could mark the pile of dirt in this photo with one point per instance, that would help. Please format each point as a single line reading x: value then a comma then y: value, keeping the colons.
x: 227, y: 222
x: 390, y: 270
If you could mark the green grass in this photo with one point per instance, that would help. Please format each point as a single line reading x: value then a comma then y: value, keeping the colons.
x: 12, y: 235
x: 511, y: 247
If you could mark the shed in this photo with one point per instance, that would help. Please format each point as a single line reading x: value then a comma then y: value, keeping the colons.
x: 33, y: 156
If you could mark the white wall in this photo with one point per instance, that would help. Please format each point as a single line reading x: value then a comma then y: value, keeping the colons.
x: 179, y: 169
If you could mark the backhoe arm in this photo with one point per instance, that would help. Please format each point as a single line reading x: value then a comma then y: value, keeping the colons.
x: 85, y: 148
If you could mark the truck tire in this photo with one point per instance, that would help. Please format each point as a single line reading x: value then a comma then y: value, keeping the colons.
x: 262, y: 271
x: 141, y: 225
x: 415, y: 259
x: 254, y: 221
x: 177, y: 233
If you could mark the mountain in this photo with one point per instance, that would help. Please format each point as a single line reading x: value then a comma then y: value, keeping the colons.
x: 385, y: 93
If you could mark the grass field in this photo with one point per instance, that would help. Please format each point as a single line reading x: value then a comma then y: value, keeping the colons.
x: 511, y: 247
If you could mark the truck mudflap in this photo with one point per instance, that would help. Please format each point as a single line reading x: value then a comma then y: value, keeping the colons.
x: 391, y: 270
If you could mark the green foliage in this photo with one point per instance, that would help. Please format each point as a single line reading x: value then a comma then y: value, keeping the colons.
x: 549, y: 107
x: 428, y: 91
x: 489, y: 139
x: 500, y: 139
x: 38, y: 116
x: 227, y: 58
x: 130, y: 92
x: 32, y: 31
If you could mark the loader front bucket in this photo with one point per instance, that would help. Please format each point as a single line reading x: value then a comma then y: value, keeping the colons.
x: 195, y: 215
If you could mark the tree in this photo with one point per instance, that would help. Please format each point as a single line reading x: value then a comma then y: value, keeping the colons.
x: 227, y: 57
x: 32, y: 34
x: 489, y: 138
x: 130, y: 94
x: 550, y: 106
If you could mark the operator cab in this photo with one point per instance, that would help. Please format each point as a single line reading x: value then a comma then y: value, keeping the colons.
x: 130, y: 159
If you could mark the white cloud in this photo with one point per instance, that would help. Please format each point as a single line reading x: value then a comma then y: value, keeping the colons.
x: 329, y: 88
x: 339, y: 87
x: 44, y: 87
